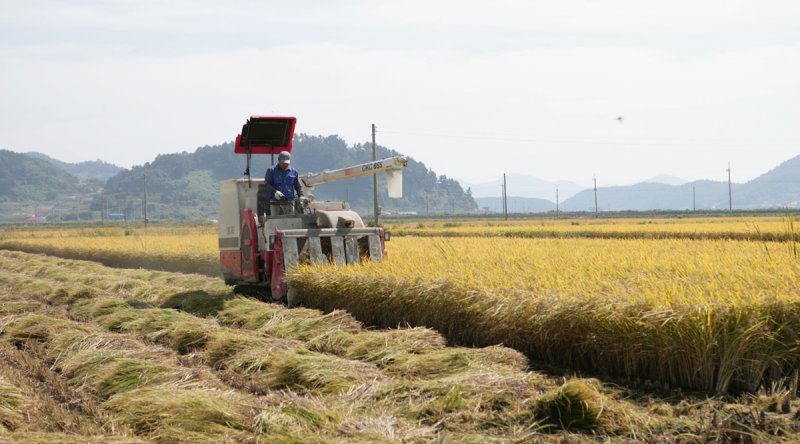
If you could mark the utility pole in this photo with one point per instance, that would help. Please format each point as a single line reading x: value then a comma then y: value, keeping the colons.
x: 102, y: 208
x: 556, y: 202
x: 694, y: 199
x: 144, y: 201
x: 594, y: 179
x: 374, y: 178
x: 730, y: 198
x: 505, y: 197
x: 502, y: 199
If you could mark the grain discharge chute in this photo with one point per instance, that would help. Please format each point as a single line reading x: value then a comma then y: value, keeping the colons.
x: 256, y: 247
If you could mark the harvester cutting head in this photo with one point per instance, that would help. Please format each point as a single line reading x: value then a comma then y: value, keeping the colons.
x: 257, y: 247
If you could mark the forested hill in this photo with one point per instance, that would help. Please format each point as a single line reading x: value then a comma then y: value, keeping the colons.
x: 25, y: 179
x: 91, y: 169
x: 186, y: 185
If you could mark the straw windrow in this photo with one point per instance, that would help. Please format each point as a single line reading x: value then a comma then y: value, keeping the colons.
x: 255, y: 370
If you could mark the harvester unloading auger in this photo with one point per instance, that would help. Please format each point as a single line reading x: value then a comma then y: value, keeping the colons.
x: 256, y: 248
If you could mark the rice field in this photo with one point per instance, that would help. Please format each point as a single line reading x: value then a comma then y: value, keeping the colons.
x: 171, y: 248
x: 707, y: 315
x: 716, y: 315
x: 763, y: 228
x: 95, y: 354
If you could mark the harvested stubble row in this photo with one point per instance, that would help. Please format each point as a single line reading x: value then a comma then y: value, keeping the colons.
x: 708, y: 315
x: 340, y: 382
x: 135, y: 389
x: 38, y: 406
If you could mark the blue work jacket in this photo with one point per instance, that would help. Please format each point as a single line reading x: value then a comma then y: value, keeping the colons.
x: 286, y: 182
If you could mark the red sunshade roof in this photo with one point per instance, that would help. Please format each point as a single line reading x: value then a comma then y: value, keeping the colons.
x: 266, y: 135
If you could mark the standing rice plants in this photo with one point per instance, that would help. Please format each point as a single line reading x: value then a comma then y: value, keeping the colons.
x: 708, y: 315
x: 793, y: 234
x: 188, y: 251
x: 733, y: 228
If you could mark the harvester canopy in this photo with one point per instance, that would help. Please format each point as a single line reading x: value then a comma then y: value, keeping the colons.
x: 266, y: 135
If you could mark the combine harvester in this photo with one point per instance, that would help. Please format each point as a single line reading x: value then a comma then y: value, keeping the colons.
x: 256, y: 248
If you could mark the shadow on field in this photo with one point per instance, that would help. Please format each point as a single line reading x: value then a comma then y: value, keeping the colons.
x: 198, y: 302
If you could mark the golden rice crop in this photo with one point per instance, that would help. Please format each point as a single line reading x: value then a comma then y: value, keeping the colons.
x: 193, y: 250
x: 661, y: 273
x: 111, y: 230
x: 740, y: 228
x: 710, y: 315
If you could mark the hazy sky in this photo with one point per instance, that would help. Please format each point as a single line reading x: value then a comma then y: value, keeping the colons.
x: 473, y: 89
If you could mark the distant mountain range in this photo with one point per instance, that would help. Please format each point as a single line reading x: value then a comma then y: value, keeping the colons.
x: 24, y: 178
x: 186, y: 185
x: 92, y: 169
x: 522, y: 185
x: 779, y: 187
x: 666, y: 179
x: 516, y: 204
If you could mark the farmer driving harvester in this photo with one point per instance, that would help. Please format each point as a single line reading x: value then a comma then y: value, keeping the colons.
x: 282, y: 184
x: 265, y: 228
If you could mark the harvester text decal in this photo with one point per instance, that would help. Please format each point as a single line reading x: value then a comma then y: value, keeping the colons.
x: 372, y: 166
